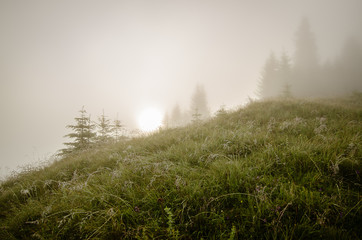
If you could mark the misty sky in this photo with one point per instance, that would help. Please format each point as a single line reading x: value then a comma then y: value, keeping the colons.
x: 125, y: 56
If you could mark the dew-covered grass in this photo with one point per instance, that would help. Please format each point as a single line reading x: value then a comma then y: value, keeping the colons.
x: 278, y: 169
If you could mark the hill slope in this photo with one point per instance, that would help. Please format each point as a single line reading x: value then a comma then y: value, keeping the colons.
x: 276, y: 169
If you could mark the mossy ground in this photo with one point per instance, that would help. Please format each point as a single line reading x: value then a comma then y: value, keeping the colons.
x: 281, y: 169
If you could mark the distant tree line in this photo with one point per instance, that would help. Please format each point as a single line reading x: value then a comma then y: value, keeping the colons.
x: 87, y: 133
x: 306, y: 76
x: 197, y: 112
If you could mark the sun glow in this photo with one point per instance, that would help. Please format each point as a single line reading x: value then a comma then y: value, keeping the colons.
x: 150, y: 119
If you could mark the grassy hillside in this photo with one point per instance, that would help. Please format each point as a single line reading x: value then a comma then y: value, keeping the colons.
x: 272, y: 170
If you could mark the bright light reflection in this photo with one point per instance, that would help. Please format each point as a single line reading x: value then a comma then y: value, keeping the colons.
x: 150, y: 119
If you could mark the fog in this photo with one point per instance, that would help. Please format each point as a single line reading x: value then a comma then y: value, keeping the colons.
x: 127, y: 56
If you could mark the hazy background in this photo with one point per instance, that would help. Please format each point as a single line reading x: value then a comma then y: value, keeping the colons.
x: 125, y: 56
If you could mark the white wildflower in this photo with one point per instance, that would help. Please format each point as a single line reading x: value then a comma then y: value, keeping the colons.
x: 226, y: 145
x: 25, y: 191
x: 111, y: 212
x: 128, y: 184
x: 179, y: 181
x: 285, y: 125
x: 271, y: 124
x: 320, y: 129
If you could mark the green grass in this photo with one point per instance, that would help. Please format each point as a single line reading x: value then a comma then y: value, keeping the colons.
x: 271, y: 170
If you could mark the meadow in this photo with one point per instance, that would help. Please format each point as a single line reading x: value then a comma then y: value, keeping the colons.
x: 277, y: 169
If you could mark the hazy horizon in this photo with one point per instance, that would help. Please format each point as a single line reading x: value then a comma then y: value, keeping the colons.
x: 124, y: 57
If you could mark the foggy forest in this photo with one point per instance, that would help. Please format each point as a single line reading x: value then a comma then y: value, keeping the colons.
x: 180, y: 119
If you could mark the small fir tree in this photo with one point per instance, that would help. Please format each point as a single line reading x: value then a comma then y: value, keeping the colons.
x: 117, y: 129
x: 287, y: 93
x: 166, y: 121
x: 104, y: 128
x: 176, y: 116
x: 199, y: 103
x: 196, y: 116
x: 222, y: 111
x: 82, y: 134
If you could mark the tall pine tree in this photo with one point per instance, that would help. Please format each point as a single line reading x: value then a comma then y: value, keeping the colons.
x: 305, y: 58
x: 269, y: 83
x: 349, y: 65
x: 284, y: 72
x: 306, y: 66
